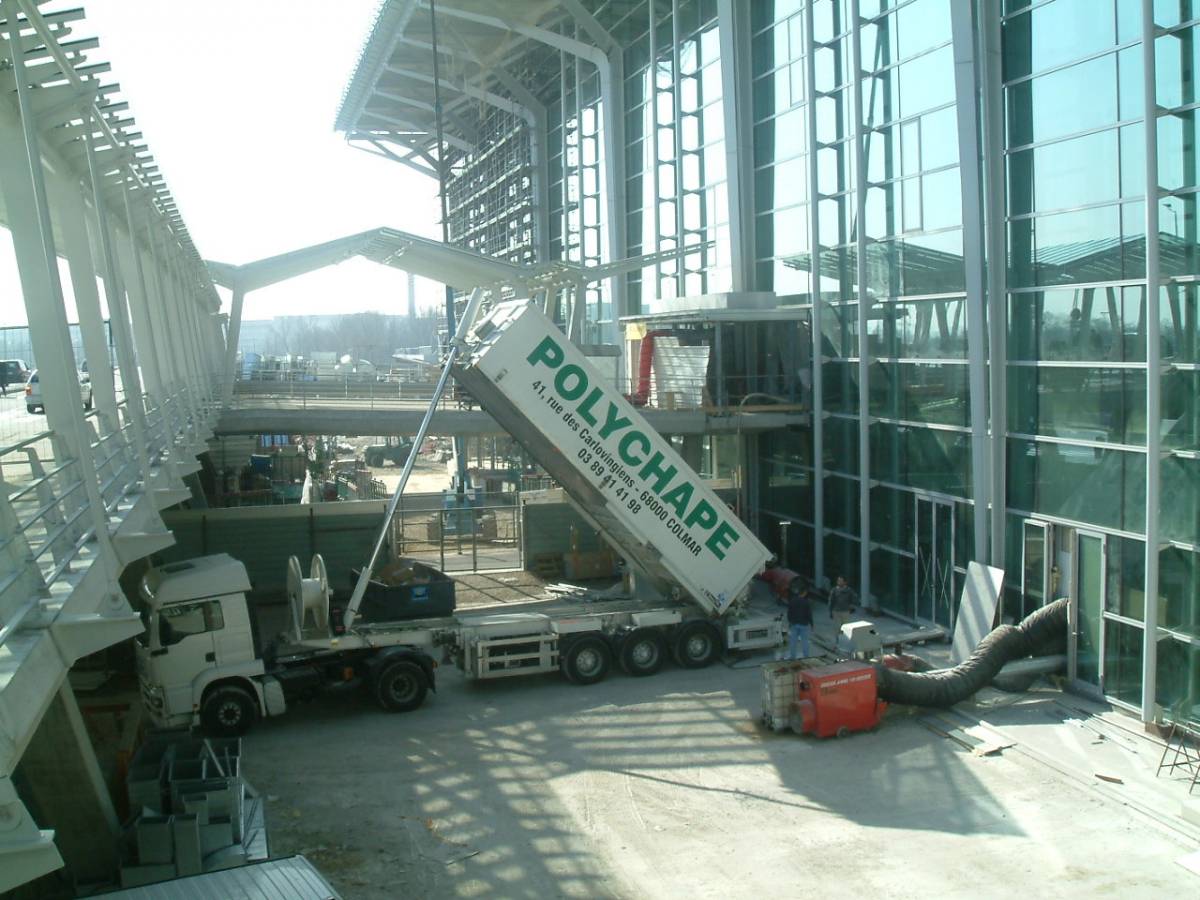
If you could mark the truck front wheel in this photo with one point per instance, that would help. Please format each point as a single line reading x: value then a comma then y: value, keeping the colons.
x: 228, y: 711
x: 401, y: 686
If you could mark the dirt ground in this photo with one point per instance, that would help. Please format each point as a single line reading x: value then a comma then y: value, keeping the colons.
x: 429, y: 474
x: 667, y: 787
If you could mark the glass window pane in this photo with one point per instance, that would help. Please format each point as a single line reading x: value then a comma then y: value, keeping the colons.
x: 1181, y: 409
x: 1176, y: 57
x: 1091, y: 404
x: 1070, y: 100
x: 918, y: 457
x: 840, y: 386
x: 1098, y: 486
x: 921, y: 329
x: 891, y: 516
x: 841, y: 445
x: 926, y: 81
x: 892, y: 579
x: 1179, y: 590
x: 1123, y: 661
x: 920, y: 392
x: 1179, y: 242
x: 839, y: 328
x: 1056, y: 33
x: 842, y: 504
x: 785, y: 473
x: 1065, y: 174
x: 1091, y: 245
x: 1179, y: 502
x: 1177, y: 686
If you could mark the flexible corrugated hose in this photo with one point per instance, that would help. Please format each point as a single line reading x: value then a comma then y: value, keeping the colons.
x: 1038, y: 633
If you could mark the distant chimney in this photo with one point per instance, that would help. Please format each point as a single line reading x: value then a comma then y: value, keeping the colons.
x: 412, y: 295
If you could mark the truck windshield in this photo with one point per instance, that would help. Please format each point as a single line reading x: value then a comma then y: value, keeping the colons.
x: 177, y: 622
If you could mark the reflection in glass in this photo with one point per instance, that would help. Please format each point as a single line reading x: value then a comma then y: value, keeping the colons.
x: 1083, y: 484
x: 1123, y: 661
x: 1089, y: 551
x: 1087, y: 404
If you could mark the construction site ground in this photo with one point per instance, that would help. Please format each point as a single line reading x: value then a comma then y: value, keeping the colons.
x: 668, y: 786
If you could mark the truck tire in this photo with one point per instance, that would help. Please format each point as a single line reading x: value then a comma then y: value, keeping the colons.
x: 586, y: 661
x: 228, y: 711
x: 401, y: 686
x: 696, y: 645
x: 643, y: 652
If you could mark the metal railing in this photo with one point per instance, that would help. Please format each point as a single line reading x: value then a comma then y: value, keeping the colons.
x: 45, y: 520
x: 478, y: 538
x: 676, y: 392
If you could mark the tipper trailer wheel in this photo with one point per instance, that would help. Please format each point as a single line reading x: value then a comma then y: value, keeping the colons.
x: 228, y: 711
x: 643, y: 652
x: 696, y: 645
x: 401, y: 686
x: 586, y: 661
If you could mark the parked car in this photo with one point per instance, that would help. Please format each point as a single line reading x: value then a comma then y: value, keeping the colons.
x: 33, y: 392
x: 12, y: 371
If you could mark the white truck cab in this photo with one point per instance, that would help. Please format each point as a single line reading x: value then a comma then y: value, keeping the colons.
x: 199, y: 643
x: 201, y: 662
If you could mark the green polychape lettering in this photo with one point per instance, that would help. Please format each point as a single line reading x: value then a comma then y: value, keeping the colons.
x: 653, y: 469
x: 627, y: 443
x: 585, y: 408
x: 571, y: 383
x: 548, y: 353
x: 679, y: 497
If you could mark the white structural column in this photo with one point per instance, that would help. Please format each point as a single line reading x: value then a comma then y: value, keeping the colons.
x: 1153, y: 366
x: 864, y: 307
x: 22, y: 181
x: 815, y: 327
x: 135, y: 283
x: 67, y: 201
x: 966, y: 106
x: 995, y: 236
x: 733, y: 27
x: 118, y: 313
x: 232, y: 332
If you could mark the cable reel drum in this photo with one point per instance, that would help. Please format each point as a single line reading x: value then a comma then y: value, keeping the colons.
x: 308, y: 595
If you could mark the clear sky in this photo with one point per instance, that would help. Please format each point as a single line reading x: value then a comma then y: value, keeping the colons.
x: 236, y: 100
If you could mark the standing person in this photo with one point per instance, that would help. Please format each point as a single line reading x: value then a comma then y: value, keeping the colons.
x: 842, y: 602
x: 800, y: 617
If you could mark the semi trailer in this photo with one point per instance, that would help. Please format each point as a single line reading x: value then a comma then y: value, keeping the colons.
x: 690, y: 560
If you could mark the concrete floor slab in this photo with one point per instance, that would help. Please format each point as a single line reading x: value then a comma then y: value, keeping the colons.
x: 667, y: 787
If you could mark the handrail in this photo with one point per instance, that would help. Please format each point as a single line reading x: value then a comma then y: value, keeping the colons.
x: 40, y: 480
x: 21, y: 445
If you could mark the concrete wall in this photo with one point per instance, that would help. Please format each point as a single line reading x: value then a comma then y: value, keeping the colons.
x: 547, y: 520
x: 264, y: 537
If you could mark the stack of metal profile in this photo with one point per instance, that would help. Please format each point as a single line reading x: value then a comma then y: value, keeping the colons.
x: 192, y: 810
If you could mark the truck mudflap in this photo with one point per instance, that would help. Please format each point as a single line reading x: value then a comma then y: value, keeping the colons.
x: 621, y: 474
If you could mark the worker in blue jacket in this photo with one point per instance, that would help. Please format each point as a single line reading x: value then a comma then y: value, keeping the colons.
x: 800, y: 617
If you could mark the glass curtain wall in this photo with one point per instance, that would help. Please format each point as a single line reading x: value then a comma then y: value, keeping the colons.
x: 676, y: 195
x: 577, y: 204
x: 1177, y: 54
x: 1076, y: 179
x: 912, y: 239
